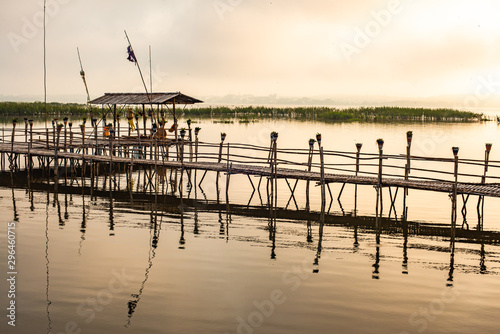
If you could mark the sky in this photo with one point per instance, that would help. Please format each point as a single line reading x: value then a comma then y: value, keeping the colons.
x: 316, y: 48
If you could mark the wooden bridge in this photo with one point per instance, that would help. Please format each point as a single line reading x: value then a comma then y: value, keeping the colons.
x: 57, y: 147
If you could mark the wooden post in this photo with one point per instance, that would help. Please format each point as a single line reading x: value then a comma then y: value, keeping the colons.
x: 175, y: 119
x: 30, y: 145
x: 54, y: 131
x: 309, y: 166
x: 114, y: 116
x: 118, y: 121
x: 409, y: 137
x: 82, y: 129
x: 480, y: 203
x: 25, y: 129
x: 358, y: 154
x: 196, y: 132
x: 222, y: 138
x: 13, y: 137
x: 454, y: 194
x: 65, y: 120
x: 378, y: 214
x: 183, y: 134
x: 111, y: 135
x: 95, y: 137
x: 56, y: 148
x: 144, y: 119
x: 323, y: 195
x: 190, y: 140
x: 228, y: 175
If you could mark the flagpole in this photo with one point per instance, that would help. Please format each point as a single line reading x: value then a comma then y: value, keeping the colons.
x: 150, y: 72
x: 140, y: 72
x: 44, y: 67
x: 82, y: 73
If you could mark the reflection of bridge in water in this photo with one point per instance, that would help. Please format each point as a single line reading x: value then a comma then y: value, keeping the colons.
x: 186, y: 208
x: 71, y: 155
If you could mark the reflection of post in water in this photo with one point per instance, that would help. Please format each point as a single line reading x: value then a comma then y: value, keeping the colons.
x: 356, y: 242
x: 376, y: 265
x: 111, y: 215
x: 482, y: 264
x: 309, y: 231
x: 66, y: 214
x: 32, y: 200
x: 49, y: 325
x: 153, y: 244
x: 182, y: 240
x: 320, y: 245
x: 14, y: 208
x: 222, y: 229
x: 452, y: 262
x: 56, y: 201
x: 83, y: 226
x: 405, y: 246
x: 272, y: 219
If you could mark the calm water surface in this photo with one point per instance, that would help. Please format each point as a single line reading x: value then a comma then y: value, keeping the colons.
x: 103, y: 266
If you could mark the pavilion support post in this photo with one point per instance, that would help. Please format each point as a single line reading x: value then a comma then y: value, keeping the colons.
x: 144, y: 118
x: 71, y: 137
x: 114, y: 116
x: 175, y: 120
x: 118, y: 124
x: 96, y: 144
x: 190, y: 133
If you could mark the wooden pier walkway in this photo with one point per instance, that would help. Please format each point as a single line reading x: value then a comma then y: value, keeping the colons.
x: 38, y: 150
x: 61, y: 148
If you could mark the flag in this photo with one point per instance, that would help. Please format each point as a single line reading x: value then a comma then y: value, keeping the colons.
x: 131, y: 55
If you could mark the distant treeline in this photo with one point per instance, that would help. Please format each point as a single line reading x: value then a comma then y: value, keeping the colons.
x: 36, y: 110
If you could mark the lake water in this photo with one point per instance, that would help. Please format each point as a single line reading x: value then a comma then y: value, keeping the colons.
x: 113, y: 265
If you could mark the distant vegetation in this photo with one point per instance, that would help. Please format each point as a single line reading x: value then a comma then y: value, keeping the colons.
x: 325, y: 114
x: 36, y: 110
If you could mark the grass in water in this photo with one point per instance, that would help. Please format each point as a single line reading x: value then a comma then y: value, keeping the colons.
x: 36, y: 110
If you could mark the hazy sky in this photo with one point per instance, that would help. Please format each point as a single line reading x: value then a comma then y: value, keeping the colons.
x: 410, y: 48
